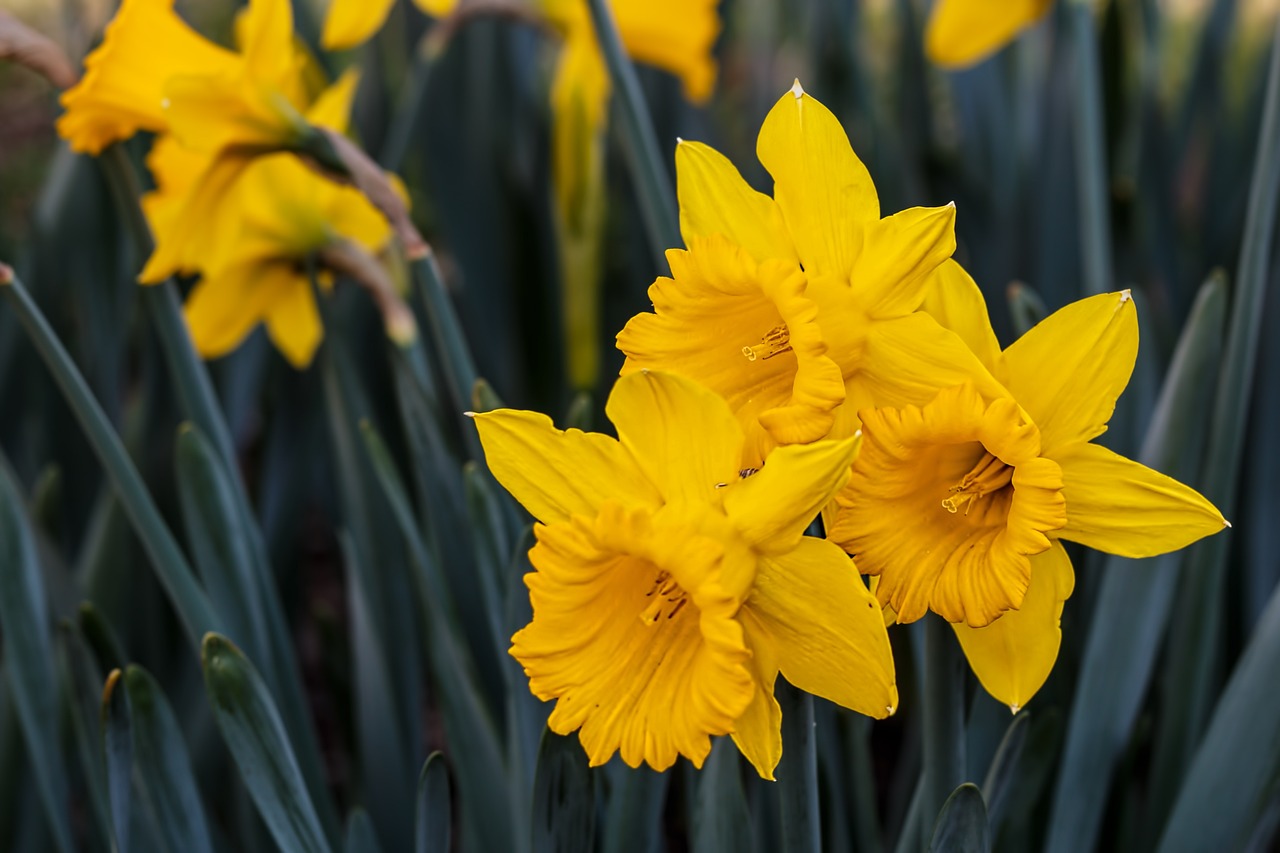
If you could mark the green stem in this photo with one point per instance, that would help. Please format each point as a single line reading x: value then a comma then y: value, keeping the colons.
x: 943, y: 720
x: 798, y: 775
x: 652, y: 180
x: 409, y: 109
x: 170, y: 565
x: 1091, y: 163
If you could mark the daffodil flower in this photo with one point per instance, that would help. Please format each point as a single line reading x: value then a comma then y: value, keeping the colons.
x: 801, y: 308
x: 671, y: 587
x: 960, y: 505
x: 964, y: 32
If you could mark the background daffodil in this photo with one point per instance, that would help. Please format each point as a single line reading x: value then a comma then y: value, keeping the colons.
x: 792, y: 306
x: 959, y: 506
x: 963, y: 32
x: 670, y: 590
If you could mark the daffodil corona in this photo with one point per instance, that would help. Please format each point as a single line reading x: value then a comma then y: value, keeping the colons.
x: 671, y: 587
x: 959, y: 505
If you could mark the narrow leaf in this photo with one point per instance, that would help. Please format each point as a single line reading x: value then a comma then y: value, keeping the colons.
x: 117, y: 753
x: 564, y: 804
x: 962, y: 824
x: 433, y: 823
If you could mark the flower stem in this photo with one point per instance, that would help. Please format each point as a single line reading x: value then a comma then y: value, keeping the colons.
x: 1091, y: 164
x: 798, y: 774
x: 175, y: 573
x: 943, y: 720
x: 653, y: 181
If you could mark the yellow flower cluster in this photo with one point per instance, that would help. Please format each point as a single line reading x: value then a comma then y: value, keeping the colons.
x: 809, y: 356
x: 230, y: 204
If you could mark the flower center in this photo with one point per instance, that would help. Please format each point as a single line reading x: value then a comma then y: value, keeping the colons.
x: 666, y: 599
x: 987, y: 476
x: 774, y: 342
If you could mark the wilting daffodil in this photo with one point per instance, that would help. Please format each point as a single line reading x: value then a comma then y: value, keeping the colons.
x: 671, y: 588
x: 963, y: 32
x: 960, y: 505
x: 801, y: 308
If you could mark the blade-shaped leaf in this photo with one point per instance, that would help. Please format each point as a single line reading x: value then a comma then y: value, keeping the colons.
x: 433, y: 825
x: 962, y: 823
x: 564, y: 804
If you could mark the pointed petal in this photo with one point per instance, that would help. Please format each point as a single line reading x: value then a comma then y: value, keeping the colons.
x: 1014, y: 655
x: 682, y: 435
x: 963, y: 32
x: 824, y: 191
x: 826, y: 627
x: 556, y: 474
x: 907, y: 361
x: 351, y: 22
x: 955, y: 301
x: 195, y: 229
x: 898, y: 253
x: 676, y: 36
x: 436, y: 8
x: 714, y: 199
x: 758, y: 732
x: 332, y: 108
x: 293, y: 323
x: 1123, y: 507
x: 773, y: 507
x: 1070, y: 369
x: 226, y: 306
x: 579, y: 109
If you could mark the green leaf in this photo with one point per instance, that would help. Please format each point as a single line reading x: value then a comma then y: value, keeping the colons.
x: 564, y: 804
x: 433, y: 823
x: 1124, y: 640
x: 1003, y: 772
x: 164, y: 774
x: 28, y: 656
x: 962, y: 824
x: 1233, y: 776
x: 633, y: 819
x: 252, y: 729
x: 117, y: 753
x: 361, y: 837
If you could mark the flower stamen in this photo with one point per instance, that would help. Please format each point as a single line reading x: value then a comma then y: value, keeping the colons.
x: 988, y: 475
x: 774, y: 342
x: 665, y: 591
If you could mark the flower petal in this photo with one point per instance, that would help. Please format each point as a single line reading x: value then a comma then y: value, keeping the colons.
x: 682, y: 435
x: 332, y: 107
x: 1014, y: 655
x: 773, y: 507
x: 907, y: 361
x: 351, y: 22
x: 822, y: 187
x: 826, y: 627
x: 226, y: 305
x: 293, y: 323
x: 955, y: 301
x: 758, y: 731
x: 1069, y: 370
x: 1123, y: 507
x: 897, y: 255
x: 714, y: 199
x: 675, y: 35
x: 963, y: 32
x: 555, y: 474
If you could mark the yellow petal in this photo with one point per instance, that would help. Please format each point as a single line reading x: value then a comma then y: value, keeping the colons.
x: 195, y: 232
x: 906, y: 361
x: 436, y: 8
x: 216, y: 112
x: 674, y: 35
x: 714, y: 199
x: 824, y: 191
x: 1014, y: 655
x: 332, y: 109
x: 962, y: 32
x: 555, y: 474
x: 775, y: 505
x: 122, y: 90
x: 758, y: 731
x: 351, y: 22
x: 293, y: 323
x: 682, y: 435
x: 265, y: 30
x: 955, y: 301
x: 1069, y: 370
x: 579, y: 108
x: 1122, y: 507
x: 897, y: 256
x: 826, y: 627
x: 226, y: 306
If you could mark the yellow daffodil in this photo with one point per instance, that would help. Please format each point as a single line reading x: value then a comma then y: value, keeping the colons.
x: 799, y: 309
x: 671, y: 588
x: 960, y: 505
x: 964, y: 32
x: 284, y: 214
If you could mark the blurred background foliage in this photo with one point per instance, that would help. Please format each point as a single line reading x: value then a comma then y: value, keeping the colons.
x: 372, y: 579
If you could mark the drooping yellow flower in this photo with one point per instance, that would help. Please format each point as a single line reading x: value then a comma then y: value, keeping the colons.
x: 283, y: 214
x: 964, y: 32
x: 671, y: 587
x: 960, y: 505
x: 801, y: 308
